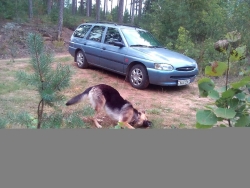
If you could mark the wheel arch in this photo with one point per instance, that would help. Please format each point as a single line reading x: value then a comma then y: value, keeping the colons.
x: 132, y: 64
x: 76, y: 51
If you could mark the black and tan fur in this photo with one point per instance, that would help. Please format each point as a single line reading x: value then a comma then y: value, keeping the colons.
x: 104, y: 96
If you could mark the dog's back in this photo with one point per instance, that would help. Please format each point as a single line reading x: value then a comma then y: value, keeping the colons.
x: 112, y: 96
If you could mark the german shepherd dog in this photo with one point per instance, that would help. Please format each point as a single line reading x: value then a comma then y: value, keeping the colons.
x: 104, y: 96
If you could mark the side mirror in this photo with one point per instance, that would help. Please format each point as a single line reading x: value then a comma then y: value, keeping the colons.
x: 119, y: 44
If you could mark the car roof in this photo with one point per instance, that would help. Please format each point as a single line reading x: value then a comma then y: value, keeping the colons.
x: 112, y: 24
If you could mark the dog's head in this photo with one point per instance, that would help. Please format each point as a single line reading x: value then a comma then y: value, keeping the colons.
x: 142, y: 120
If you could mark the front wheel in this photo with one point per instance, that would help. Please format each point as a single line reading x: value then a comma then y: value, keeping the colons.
x: 81, y: 61
x: 138, y: 77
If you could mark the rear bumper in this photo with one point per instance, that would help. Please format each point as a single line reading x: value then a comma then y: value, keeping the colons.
x: 72, y: 51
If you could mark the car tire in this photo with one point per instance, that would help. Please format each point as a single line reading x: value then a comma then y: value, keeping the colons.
x: 138, y: 77
x: 81, y: 60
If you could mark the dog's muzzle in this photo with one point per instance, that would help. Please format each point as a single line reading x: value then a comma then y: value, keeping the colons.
x: 147, y: 124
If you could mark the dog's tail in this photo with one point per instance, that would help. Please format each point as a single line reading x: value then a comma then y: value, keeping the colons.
x: 79, y: 97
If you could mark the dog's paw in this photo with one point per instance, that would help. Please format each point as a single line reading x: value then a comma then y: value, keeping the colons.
x: 99, y: 126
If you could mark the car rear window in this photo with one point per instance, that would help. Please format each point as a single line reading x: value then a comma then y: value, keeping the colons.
x: 81, y: 31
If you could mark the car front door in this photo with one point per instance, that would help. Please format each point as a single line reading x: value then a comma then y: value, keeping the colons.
x: 92, y: 45
x: 112, y: 56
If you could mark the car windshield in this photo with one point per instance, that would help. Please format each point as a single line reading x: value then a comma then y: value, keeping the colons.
x: 140, y: 38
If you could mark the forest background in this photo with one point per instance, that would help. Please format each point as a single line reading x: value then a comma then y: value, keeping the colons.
x: 188, y: 26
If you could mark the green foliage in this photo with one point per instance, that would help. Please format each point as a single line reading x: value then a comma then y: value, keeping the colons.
x: 231, y: 103
x: 49, y: 82
x: 126, y: 17
x: 3, y: 123
x: 184, y: 43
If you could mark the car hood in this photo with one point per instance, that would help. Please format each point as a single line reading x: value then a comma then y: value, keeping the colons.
x: 163, y: 55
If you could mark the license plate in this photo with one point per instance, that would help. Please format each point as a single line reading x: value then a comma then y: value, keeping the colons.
x: 183, y: 82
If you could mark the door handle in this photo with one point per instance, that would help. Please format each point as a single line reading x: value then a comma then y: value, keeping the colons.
x: 103, y: 48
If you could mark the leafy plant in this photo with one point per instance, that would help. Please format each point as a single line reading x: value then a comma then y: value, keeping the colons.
x: 184, y: 43
x: 232, y: 104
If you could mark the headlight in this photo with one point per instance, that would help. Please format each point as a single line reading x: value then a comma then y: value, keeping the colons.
x: 163, y: 66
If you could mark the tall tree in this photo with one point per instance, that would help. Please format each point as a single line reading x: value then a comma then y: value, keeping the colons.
x: 104, y: 6
x: 87, y: 8
x: 98, y: 4
x: 132, y: 11
x: 74, y: 3
x: 30, y: 9
x: 81, y: 7
x: 49, y: 5
x: 60, y: 19
x: 111, y: 5
x: 140, y: 9
x: 120, y: 12
x: 90, y: 7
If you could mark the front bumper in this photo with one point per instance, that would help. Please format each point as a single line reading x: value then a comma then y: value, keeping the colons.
x: 170, y: 78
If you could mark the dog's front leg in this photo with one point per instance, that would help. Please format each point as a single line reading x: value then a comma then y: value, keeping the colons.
x: 96, y: 123
x: 126, y: 124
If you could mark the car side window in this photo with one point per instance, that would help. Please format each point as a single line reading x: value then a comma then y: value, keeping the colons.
x: 112, y: 36
x: 81, y: 31
x: 96, y: 33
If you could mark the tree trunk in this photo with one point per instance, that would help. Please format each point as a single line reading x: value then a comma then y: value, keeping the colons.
x: 90, y: 8
x: 140, y: 9
x: 132, y: 11
x: 30, y: 9
x: 87, y: 8
x: 60, y: 19
x: 111, y: 5
x: 98, y: 10
x: 81, y: 7
x: 73, y: 7
x: 49, y: 5
x: 120, y: 12
x: 105, y: 7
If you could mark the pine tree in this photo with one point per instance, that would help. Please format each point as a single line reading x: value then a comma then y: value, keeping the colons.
x: 49, y: 82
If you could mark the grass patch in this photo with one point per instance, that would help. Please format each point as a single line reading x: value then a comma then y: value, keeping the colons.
x: 157, y: 122
x: 9, y: 87
x: 64, y: 59
x: 154, y: 111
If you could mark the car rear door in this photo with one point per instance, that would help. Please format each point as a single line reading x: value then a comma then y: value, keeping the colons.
x: 93, y: 45
x: 112, y: 57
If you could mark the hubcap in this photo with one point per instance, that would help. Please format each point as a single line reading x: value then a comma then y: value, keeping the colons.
x: 136, y: 76
x: 80, y: 59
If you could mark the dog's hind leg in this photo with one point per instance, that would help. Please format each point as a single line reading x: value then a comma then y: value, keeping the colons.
x: 98, y: 101
x: 98, y: 108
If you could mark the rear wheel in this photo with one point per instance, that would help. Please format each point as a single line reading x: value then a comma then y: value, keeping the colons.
x: 138, y: 77
x: 81, y: 61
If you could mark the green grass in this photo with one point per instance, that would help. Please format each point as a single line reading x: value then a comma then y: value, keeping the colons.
x: 9, y: 87
x: 154, y: 111
x: 64, y: 59
x: 157, y: 122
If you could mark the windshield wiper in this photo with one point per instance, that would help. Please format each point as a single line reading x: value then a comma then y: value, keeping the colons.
x: 156, y: 46
x: 139, y: 45
x: 146, y: 46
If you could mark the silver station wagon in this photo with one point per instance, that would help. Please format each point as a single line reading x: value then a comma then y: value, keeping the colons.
x: 132, y: 52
